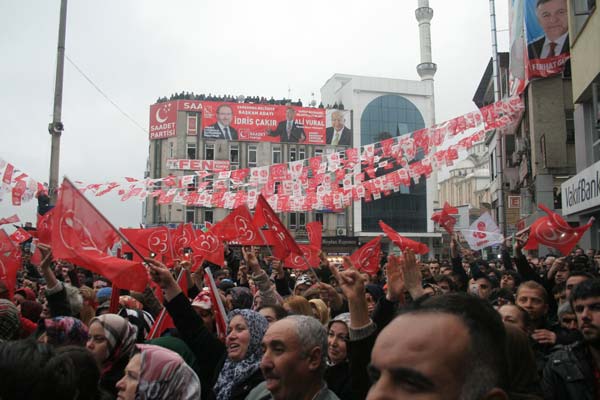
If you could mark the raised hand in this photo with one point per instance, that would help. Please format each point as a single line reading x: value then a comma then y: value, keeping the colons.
x: 160, y: 274
x: 395, y: 278
x: 412, y: 274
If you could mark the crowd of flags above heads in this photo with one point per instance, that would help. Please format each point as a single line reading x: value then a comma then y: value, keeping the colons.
x: 330, y: 181
x: 550, y: 230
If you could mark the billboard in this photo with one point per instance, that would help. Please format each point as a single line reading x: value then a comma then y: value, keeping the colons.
x: 263, y: 123
x: 254, y: 122
x: 547, y: 36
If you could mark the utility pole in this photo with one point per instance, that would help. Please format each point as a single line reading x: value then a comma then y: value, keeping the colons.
x: 500, y: 137
x: 56, y: 127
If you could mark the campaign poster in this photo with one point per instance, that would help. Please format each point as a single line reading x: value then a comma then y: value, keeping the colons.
x: 339, y: 128
x: 263, y: 123
x: 547, y: 36
x: 163, y: 118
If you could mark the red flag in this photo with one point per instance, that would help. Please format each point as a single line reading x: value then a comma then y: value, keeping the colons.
x: 10, y: 262
x: 208, y: 245
x: 217, y: 305
x: 181, y: 238
x: 164, y: 320
x: 19, y: 236
x: 444, y: 218
x: 239, y: 227
x: 284, y: 243
x: 81, y: 235
x: 10, y: 220
x: 315, y: 233
x: 149, y: 240
x: 402, y: 242
x: 368, y: 256
x: 44, y: 227
x: 553, y: 231
x: 310, y: 254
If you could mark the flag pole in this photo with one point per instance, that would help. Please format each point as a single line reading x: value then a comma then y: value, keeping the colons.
x: 136, y: 251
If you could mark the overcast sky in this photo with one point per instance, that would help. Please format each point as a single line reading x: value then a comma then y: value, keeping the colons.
x: 138, y: 50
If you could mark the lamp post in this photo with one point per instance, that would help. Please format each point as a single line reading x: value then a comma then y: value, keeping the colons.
x: 56, y: 127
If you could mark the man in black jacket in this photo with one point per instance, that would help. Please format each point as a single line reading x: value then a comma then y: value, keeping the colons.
x: 571, y: 372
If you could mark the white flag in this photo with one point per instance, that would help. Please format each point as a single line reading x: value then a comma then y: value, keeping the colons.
x: 483, y: 233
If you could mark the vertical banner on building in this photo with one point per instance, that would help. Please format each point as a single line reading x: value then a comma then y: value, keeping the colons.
x: 547, y: 34
x: 263, y: 123
x: 518, y: 78
x: 339, y: 128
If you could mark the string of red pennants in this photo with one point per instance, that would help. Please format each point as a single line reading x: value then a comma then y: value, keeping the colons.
x: 330, y: 181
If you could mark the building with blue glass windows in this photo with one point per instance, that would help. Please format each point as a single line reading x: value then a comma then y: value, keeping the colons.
x: 384, y: 108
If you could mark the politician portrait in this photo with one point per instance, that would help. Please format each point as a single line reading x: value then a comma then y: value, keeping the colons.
x: 290, y: 130
x: 222, y: 129
x: 338, y: 134
x: 553, y: 17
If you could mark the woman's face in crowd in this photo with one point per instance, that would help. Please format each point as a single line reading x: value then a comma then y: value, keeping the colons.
x: 238, y: 339
x: 269, y: 314
x: 337, y: 337
x: 97, y: 343
x: 128, y: 384
x: 370, y: 303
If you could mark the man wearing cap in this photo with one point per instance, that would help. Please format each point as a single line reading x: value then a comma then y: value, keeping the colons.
x: 302, y: 284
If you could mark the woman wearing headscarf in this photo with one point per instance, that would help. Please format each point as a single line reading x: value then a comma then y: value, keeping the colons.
x: 62, y: 331
x: 241, y: 372
x: 157, y: 373
x: 337, y: 374
x: 111, y: 341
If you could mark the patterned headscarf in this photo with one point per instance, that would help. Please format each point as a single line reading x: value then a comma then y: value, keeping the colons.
x: 10, y: 322
x: 235, y: 372
x: 141, y: 319
x: 120, y: 335
x: 164, y: 375
x: 64, y: 331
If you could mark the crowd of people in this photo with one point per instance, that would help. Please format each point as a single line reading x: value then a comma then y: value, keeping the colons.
x: 460, y: 328
x: 242, y: 99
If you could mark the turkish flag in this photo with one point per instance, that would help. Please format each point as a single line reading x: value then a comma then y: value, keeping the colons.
x: 553, y: 231
x: 368, y: 256
x: 402, y: 242
x: 10, y: 262
x: 444, y: 218
x: 238, y: 226
x: 283, y: 242
x: 208, y: 245
x: 44, y: 227
x: 150, y: 240
x: 310, y: 254
x: 10, y: 220
x: 20, y: 235
x: 82, y: 236
x: 315, y: 234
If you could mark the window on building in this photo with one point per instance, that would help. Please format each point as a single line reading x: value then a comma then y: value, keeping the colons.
x: 301, y: 153
x: 192, y: 124
x: 208, y: 216
x: 171, y: 149
x: 293, y: 154
x: 190, y: 215
x: 570, y: 124
x: 302, y: 220
x: 493, y: 164
x: 209, y: 151
x: 293, y: 221
x: 340, y: 220
x: 318, y: 152
x: 276, y: 155
x: 190, y: 151
x: 234, y: 155
x: 319, y: 217
x: 252, y: 156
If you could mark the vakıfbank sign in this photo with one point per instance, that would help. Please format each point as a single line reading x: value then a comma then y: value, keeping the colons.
x: 582, y: 191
